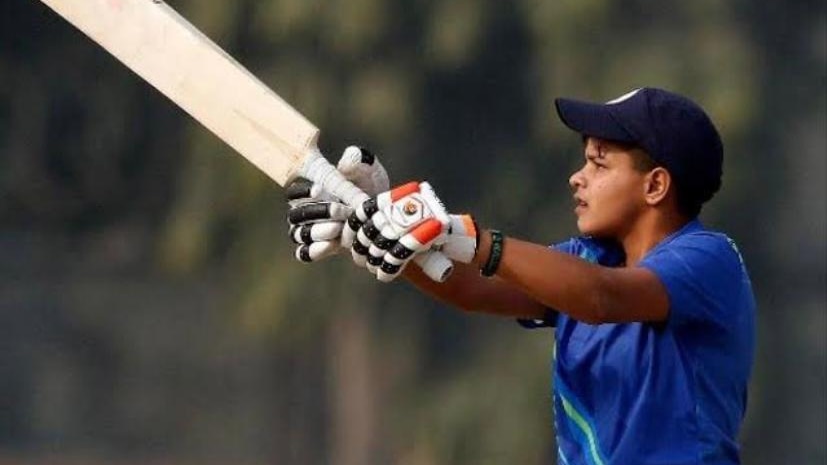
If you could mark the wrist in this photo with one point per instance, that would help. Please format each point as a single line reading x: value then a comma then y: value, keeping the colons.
x: 490, y: 249
x: 483, y: 248
x: 495, y: 253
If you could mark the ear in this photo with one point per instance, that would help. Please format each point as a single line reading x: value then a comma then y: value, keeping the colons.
x: 658, y: 182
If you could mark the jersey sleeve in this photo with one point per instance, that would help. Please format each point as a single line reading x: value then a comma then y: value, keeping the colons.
x: 702, y: 274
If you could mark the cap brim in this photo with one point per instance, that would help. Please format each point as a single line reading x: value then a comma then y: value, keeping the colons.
x: 591, y: 119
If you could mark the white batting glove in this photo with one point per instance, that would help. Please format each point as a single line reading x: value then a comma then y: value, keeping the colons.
x: 462, y: 240
x: 316, y: 221
x: 316, y: 218
x: 397, y: 225
x: 359, y: 166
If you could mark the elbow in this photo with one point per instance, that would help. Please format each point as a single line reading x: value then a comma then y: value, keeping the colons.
x: 599, y: 315
x: 593, y: 314
x: 593, y: 317
x: 601, y: 302
x: 589, y: 305
x: 590, y: 310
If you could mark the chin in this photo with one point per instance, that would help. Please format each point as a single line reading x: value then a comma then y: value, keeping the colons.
x: 585, y: 228
x: 591, y: 229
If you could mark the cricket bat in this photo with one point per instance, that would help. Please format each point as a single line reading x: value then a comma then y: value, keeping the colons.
x: 166, y: 50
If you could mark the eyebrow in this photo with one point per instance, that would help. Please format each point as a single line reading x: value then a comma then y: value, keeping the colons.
x: 601, y: 154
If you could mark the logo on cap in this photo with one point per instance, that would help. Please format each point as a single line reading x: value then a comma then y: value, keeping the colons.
x: 624, y: 97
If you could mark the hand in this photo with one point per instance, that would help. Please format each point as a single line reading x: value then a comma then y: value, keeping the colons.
x: 395, y: 226
x: 316, y: 218
x: 463, y: 239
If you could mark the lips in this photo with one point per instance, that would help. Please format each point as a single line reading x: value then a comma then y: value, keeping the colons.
x: 579, y: 203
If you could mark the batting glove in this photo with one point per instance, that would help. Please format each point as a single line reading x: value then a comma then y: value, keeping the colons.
x: 316, y: 218
x: 462, y: 240
x: 397, y: 225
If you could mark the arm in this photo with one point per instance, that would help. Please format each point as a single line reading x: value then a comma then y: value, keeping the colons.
x: 467, y: 290
x: 587, y: 292
x: 530, y: 278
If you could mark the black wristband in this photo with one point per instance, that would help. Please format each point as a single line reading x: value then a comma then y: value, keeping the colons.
x: 496, y: 254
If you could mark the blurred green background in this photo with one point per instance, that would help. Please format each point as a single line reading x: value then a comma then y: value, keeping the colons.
x: 150, y: 309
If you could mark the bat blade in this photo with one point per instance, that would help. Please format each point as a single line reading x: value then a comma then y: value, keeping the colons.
x: 164, y: 49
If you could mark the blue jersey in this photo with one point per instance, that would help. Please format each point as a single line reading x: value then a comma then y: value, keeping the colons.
x: 672, y: 393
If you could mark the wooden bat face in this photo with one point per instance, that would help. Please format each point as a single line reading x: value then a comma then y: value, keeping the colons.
x: 163, y: 48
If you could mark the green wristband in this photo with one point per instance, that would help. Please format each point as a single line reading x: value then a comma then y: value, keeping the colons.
x: 495, y: 255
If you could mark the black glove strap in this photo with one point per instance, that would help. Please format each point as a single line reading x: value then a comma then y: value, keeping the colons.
x: 495, y: 255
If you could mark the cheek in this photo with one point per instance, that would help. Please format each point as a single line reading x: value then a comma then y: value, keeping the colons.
x: 617, y: 192
x: 612, y: 203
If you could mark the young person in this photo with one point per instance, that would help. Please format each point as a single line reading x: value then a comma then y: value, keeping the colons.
x: 654, y: 313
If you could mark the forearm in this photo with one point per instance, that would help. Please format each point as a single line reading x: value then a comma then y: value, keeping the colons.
x: 452, y: 292
x: 530, y: 279
x: 555, y: 279
x: 585, y: 291
x: 467, y: 290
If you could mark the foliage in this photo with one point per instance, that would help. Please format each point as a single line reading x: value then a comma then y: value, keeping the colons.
x: 162, y: 313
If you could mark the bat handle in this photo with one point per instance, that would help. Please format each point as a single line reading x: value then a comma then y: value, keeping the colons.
x: 317, y: 169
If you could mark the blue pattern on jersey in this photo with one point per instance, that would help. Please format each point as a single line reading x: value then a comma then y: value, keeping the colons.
x: 577, y: 420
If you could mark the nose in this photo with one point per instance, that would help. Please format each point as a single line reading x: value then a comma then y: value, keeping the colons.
x: 576, y: 180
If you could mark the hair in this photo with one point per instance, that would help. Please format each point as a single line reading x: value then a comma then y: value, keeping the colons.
x: 688, y: 202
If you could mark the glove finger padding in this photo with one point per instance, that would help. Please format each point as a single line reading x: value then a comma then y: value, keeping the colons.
x: 303, y: 191
x: 315, y: 251
x: 298, y: 190
x: 355, y: 221
x: 316, y: 220
x: 362, y: 226
x: 420, y: 239
x: 379, y: 237
x: 315, y: 212
x: 361, y: 167
x: 316, y: 232
x: 402, y: 222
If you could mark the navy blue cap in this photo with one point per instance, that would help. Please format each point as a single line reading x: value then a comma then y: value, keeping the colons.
x: 675, y: 132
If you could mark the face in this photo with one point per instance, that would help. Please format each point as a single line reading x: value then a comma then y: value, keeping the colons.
x: 609, y: 191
